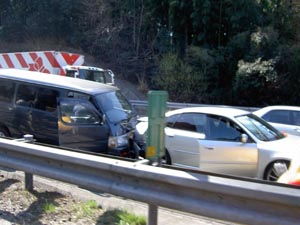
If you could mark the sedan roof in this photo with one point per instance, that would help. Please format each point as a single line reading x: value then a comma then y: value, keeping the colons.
x: 276, y: 107
x: 229, y: 112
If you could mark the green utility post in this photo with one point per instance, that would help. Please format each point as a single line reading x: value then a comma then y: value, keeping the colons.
x: 157, y: 102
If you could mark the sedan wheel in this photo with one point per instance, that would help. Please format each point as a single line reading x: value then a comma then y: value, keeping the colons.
x: 275, y: 170
x: 166, y: 159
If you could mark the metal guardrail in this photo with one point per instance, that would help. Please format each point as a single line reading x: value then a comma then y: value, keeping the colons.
x: 142, y: 106
x: 202, y: 194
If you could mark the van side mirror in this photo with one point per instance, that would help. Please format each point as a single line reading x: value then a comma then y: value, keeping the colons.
x: 244, y: 138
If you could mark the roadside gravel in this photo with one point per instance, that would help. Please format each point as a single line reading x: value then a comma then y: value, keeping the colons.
x: 20, y: 207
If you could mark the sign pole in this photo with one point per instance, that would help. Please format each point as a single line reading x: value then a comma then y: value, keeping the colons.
x: 157, y: 102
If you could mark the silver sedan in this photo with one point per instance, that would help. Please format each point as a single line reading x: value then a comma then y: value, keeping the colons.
x: 227, y: 141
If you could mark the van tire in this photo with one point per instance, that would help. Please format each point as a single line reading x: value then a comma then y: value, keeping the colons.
x: 4, y: 132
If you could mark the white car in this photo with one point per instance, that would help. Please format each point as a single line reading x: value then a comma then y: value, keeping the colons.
x: 225, y: 140
x: 284, y: 118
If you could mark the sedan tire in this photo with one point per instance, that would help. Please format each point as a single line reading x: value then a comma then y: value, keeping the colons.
x: 276, y: 169
x: 168, y: 158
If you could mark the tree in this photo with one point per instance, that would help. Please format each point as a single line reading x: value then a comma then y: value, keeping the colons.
x: 22, y: 20
x: 256, y: 78
x: 195, y: 78
x: 288, y: 68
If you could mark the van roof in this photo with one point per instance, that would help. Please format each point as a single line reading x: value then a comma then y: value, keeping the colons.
x: 58, y: 81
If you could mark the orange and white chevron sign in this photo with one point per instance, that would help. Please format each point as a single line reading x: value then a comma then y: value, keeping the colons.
x: 42, y: 61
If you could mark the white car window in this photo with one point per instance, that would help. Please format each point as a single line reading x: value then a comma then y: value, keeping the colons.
x: 185, y: 122
x: 223, y: 129
x: 195, y: 122
x: 278, y: 116
x: 296, y: 117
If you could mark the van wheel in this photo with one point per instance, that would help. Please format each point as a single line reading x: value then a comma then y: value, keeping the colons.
x: 276, y: 169
x: 3, y: 132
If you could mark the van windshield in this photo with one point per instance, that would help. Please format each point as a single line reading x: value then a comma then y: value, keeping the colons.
x: 114, y: 105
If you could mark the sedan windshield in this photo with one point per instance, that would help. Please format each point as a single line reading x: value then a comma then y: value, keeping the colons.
x: 259, y: 128
x: 114, y: 105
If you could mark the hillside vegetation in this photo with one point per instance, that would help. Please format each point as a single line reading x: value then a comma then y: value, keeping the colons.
x: 242, y: 52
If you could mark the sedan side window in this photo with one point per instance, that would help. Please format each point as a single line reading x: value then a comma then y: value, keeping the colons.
x: 185, y: 122
x: 171, y: 120
x: 296, y: 118
x: 278, y: 116
x: 195, y: 122
x: 223, y: 129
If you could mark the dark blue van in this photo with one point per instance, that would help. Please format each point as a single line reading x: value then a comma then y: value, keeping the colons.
x: 64, y: 111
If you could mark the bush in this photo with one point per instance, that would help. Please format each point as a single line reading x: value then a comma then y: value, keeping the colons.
x: 192, y: 79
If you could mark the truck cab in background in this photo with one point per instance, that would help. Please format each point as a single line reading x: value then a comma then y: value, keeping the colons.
x: 56, y: 62
x: 91, y: 73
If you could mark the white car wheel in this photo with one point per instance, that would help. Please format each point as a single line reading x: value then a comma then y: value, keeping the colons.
x: 276, y: 169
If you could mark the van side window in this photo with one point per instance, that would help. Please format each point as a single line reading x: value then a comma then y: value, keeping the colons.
x: 6, y: 90
x: 26, y: 95
x: 78, y: 112
x: 46, y: 99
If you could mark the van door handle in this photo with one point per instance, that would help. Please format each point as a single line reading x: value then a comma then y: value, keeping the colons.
x: 209, y: 147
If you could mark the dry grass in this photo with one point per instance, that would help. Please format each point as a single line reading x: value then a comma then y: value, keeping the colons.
x: 18, y: 206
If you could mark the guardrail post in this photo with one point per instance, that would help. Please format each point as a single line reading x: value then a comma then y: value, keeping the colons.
x: 152, y: 214
x: 28, y: 181
x: 28, y: 176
